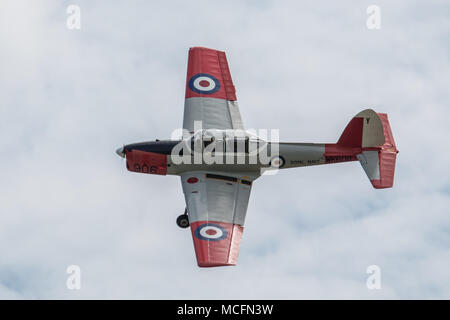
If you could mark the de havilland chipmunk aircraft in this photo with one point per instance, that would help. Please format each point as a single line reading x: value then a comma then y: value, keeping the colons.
x: 217, y: 192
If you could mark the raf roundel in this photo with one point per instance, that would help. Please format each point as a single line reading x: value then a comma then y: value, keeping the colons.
x: 204, y: 83
x: 277, y: 162
x: 210, y: 232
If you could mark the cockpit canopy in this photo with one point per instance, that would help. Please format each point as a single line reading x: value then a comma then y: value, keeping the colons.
x: 226, y: 140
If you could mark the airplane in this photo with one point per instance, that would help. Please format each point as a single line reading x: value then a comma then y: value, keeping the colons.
x: 217, y: 192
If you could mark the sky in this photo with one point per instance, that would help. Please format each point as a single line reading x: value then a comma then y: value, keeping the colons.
x: 69, y: 98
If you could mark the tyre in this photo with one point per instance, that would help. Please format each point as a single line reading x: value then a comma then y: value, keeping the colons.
x: 183, y: 221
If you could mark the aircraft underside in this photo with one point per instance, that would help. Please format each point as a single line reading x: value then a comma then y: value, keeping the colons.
x: 217, y: 160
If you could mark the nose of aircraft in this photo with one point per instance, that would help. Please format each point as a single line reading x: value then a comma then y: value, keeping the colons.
x: 121, y: 152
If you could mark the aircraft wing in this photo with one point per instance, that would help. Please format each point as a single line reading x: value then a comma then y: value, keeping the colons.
x: 216, y: 204
x: 210, y: 93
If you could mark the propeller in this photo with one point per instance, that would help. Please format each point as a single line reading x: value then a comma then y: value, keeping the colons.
x: 121, y: 152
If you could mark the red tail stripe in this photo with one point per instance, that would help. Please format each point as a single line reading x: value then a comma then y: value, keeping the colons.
x: 353, y: 132
x: 221, y: 252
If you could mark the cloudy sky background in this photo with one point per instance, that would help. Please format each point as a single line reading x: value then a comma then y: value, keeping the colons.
x: 69, y: 98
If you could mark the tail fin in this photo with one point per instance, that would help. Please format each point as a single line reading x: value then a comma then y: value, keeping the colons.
x: 371, y: 132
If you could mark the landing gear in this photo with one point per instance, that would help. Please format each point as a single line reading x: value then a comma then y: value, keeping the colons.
x: 183, y: 220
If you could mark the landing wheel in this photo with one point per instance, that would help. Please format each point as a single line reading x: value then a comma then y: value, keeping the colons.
x: 183, y: 220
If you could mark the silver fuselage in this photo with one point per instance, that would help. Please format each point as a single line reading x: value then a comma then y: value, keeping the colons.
x: 291, y: 154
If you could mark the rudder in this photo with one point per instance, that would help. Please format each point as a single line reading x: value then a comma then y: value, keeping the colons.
x: 371, y: 134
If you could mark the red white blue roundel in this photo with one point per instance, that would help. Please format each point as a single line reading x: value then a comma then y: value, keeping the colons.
x: 211, y: 232
x: 277, y: 162
x: 204, y: 83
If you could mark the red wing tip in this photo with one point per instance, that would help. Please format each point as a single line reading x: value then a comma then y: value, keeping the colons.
x: 212, y: 264
x: 204, y: 48
x: 382, y: 187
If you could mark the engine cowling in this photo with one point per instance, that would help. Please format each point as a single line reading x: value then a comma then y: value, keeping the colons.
x: 146, y: 162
